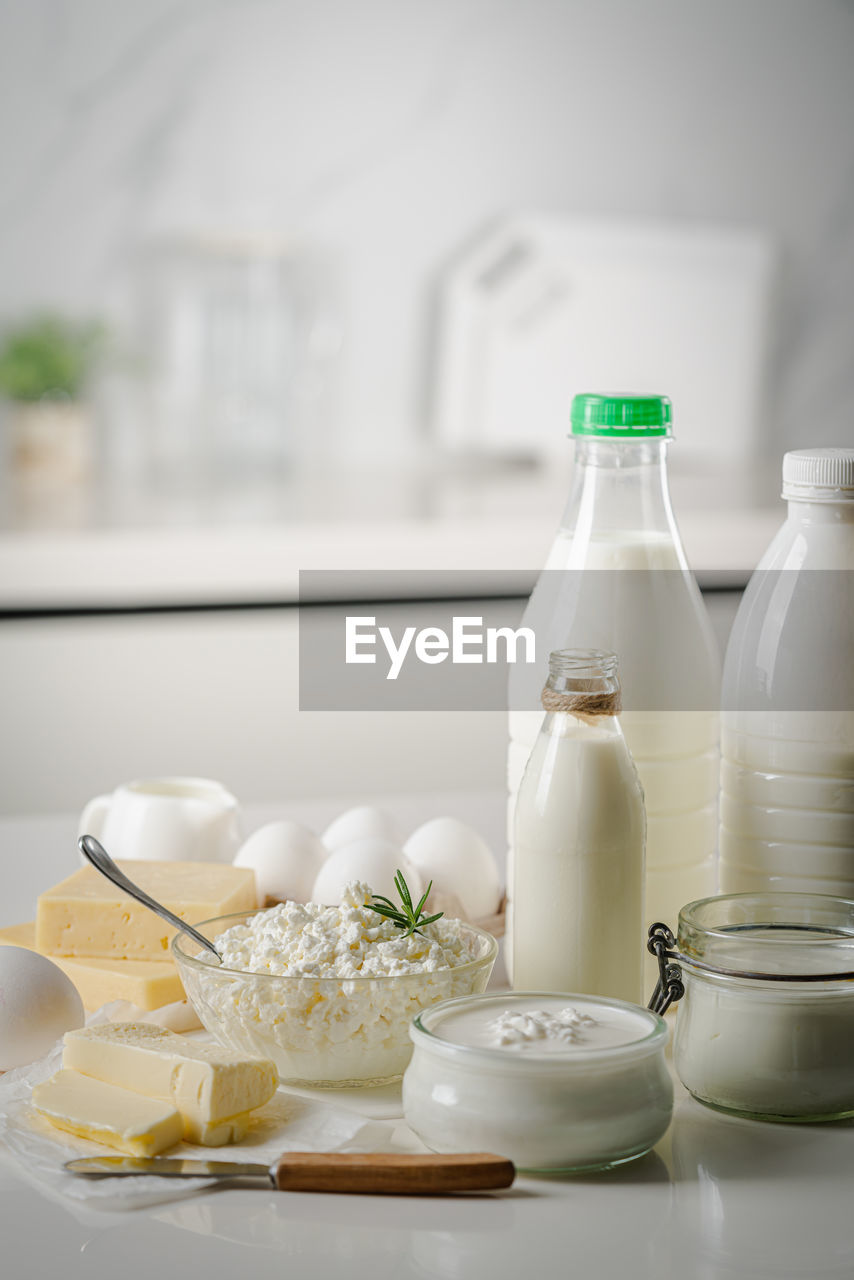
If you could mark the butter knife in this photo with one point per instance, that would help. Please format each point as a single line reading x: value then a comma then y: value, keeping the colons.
x: 375, y: 1173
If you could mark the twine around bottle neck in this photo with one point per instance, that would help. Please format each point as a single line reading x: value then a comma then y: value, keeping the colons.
x: 580, y: 703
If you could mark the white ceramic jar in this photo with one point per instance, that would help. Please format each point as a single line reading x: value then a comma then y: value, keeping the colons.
x: 779, y: 1046
x: 551, y: 1080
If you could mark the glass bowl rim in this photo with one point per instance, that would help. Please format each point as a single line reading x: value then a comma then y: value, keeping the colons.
x: 182, y: 957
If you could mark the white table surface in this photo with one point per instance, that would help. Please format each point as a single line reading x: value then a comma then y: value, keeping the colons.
x: 718, y: 1198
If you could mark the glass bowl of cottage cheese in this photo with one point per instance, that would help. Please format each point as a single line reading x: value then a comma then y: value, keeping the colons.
x: 328, y: 992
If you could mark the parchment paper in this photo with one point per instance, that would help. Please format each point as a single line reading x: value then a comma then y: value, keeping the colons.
x: 286, y: 1123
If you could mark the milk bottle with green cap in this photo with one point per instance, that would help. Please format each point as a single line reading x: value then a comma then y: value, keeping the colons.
x: 617, y: 578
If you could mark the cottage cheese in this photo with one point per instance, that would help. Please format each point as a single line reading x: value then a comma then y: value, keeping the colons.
x: 329, y: 992
x: 302, y: 939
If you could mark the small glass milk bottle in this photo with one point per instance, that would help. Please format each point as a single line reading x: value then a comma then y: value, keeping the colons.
x: 576, y: 880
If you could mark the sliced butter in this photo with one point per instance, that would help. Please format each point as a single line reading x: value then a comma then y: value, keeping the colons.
x: 85, y: 915
x: 148, y: 984
x: 104, y: 1113
x: 234, y: 1129
x: 213, y: 1088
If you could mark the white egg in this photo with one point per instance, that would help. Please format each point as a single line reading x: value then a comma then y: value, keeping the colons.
x: 285, y: 857
x: 360, y: 824
x: 38, y: 1004
x: 458, y: 861
x: 374, y: 862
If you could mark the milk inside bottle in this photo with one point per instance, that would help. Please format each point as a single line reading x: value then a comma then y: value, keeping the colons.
x: 617, y: 578
x: 575, y: 895
x: 787, y: 767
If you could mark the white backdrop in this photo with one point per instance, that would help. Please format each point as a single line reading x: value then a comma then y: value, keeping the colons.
x: 391, y: 131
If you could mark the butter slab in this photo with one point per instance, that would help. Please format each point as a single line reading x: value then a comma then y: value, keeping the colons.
x: 218, y: 1134
x: 104, y: 1113
x: 213, y: 1088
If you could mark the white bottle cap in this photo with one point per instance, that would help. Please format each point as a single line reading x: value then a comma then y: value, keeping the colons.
x: 819, y: 475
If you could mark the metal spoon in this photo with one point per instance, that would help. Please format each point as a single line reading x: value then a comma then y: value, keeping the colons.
x: 95, y: 852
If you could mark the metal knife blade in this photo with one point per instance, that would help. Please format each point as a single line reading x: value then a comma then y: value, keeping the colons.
x: 133, y: 1166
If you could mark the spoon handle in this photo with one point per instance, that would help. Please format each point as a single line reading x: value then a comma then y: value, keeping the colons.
x: 95, y: 852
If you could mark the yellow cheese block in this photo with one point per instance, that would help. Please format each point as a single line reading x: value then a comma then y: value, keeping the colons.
x: 104, y: 1113
x: 149, y: 984
x: 212, y: 1087
x: 86, y: 915
x: 19, y: 935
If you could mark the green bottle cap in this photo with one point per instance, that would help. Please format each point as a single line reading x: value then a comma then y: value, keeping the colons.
x: 621, y: 417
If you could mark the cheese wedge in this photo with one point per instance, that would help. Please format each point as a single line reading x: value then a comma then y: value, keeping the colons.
x: 213, y: 1088
x: 86, y: 915
x: 104, y: 1113
x: 148, y: 984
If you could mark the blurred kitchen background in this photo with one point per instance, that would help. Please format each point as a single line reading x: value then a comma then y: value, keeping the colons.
x: 291, y: 285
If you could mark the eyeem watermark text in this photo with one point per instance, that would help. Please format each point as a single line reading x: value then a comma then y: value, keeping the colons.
x: 469, y: 642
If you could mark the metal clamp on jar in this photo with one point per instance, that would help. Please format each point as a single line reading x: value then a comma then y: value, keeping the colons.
x: 765, y: 1027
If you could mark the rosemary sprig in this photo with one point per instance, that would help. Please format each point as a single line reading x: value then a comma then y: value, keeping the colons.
x: 405, y: 916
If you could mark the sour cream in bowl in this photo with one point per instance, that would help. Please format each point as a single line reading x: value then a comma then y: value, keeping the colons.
x: 553, y: 1081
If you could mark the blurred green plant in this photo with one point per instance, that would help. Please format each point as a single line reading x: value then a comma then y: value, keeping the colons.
x: 49, y: 357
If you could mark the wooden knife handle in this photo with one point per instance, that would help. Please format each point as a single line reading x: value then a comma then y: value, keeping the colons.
x: 381, y: 1173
